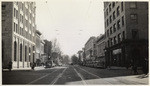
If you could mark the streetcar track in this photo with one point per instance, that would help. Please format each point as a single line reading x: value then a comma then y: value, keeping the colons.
x: 107, y: 80
x: 83, y: 80
x: 56, y: 79
x: 42, y: 77
x: 93, y: 74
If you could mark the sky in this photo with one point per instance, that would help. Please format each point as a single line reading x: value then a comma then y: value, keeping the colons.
x: 71, y: 22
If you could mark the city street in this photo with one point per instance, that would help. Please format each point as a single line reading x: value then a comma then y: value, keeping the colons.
x: 73, y: 75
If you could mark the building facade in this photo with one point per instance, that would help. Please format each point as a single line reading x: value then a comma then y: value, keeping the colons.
x: 47, y: 49
x: 42, y: 51
x: 39, y: 48
x: 80, y: 56
x: 126, y: 29
x: 100, y: 46
x: 18, y: 34
x: 90, y: 49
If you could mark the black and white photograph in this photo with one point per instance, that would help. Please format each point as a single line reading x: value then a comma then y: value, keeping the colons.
x: 74, y: 42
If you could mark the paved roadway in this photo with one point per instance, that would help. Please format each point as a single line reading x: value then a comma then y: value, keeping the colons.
x: 72, y: 75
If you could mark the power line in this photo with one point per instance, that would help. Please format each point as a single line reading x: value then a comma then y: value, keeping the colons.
x: 50, y: 13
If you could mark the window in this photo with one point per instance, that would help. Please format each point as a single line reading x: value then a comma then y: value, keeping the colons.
x: 25, y: 53
x: 115, y: 40
x: 119, y: 38
x: 111, y: 41
x: 133, y: 5
x: 107, y: 12
x: 20, y: 52
x: 123, y: 35
x: 133, y: 18
x: 26, y: 23
x: 122, y: 20
x: 3, y: 7
x: 17, y: 14
x: 114, y: 27
x: 107, y: 32
x: 118, y: 13
x: 14, y: 12
x: 14, y: 27
x: 110, y: 30
x: 135, y: 34
x: 108, y: 43
x: 22, y: 6
x: 118, y: 24
x: 110, y: 18
x: 122, y: 6
x: 113, y: 4
x: 20, y: 31
x: 107, y: 22
x: 15, y: 51
x: 22, y: 19
x: 114, y: 15
x: 110, y: 8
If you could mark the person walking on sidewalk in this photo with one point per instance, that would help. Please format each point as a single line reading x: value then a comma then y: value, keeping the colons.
x: 10, y: 65
x: 32, y: 65
x: 145, y: 66
x: 133, y: 67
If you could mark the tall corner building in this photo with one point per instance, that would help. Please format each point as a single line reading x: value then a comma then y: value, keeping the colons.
x: 18, y: 34
x: 126, y: 30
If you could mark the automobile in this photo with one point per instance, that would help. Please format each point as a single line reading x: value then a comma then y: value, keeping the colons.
x: 71, y: 63
x: 48, y: 64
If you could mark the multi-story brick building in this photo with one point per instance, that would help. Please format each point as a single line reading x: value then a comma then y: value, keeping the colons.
x: 126, y: 29
x: 39, y: 48
x: 48, y: 49
x: 90, y: 48
x: 100, y: 46
x: 18, y: 34
x: 80, y: 56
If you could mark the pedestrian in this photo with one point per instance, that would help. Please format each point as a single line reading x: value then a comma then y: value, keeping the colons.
x: 131, y: 65
x: 32, y: 66
x: 145, y: 66
x: 10, y: 65
x: 135, y: 69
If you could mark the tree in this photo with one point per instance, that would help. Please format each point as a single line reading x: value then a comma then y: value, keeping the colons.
x: 74, y: 59
x: 56, y: 46
x: 65, y: 59
x: 56, y: 52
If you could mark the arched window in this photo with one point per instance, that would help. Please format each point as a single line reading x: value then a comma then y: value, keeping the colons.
x: 25, y: 53
x: 3, y: 51
x: 15, y: 51
x: 20, y: 52
x: 29, y: 54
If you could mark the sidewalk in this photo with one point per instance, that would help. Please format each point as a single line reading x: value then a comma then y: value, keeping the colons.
x: 115, y: 67
x: 17, y: 69
x: 25, y: 69
x: 39, y: 68
x: 143, y: 79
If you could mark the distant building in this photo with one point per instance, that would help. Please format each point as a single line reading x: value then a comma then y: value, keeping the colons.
x: 42, y: 51
x: 18, y: 34
x: 80, y: 55
x: 100, y: 46
x: 90, y: 49
x: 39, y: 48
x: 126, y: 29
x: 47, y: 49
